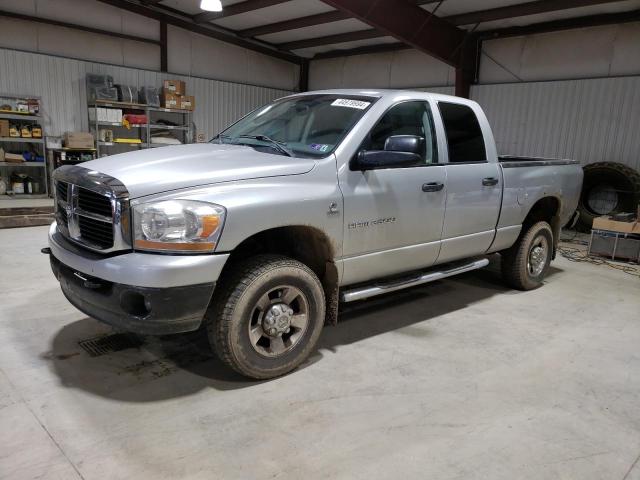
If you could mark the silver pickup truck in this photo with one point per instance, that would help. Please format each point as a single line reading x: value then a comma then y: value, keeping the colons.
x: 312, y: 200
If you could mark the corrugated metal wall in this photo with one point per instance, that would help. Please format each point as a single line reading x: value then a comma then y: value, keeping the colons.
x: 61, y: 84
x: 587, y: 120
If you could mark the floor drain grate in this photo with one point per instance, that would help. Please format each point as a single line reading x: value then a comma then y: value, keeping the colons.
x: 98, y: 346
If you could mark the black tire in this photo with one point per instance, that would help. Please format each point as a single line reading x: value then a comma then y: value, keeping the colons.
x: 517, y: 261
x: 236, y: 310
x: 604, y: 176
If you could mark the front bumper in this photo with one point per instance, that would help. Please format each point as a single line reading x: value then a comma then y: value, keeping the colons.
x: 163, y: 294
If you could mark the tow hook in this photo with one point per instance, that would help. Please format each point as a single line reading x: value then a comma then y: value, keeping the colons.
x: 45, y: 250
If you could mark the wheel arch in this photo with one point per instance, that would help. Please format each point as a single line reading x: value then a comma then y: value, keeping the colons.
x: 305, y: 243
x: 546, y: 209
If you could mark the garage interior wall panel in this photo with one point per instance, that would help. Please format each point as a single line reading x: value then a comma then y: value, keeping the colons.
x: 61, y: 84
x: 590, y: 120
x: 606, y: 51
x: 188, y: 53
x: 398, y: 69
x: 193, y: 54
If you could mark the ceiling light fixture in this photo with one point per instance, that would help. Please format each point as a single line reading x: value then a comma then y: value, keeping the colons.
x: 211, y: 5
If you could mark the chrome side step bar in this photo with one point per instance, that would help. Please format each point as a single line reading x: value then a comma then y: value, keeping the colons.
x: 366, y: 291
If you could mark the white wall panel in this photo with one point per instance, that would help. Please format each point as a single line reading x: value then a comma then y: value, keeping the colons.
x: 626, y: 50
x: 61, y: 84
x: 581, y: 53
x: 191, y: 53
x: 67, y: 42
x: 188, y: 53
x: 12, y: 35
x: 587, y: 120
x: 179, y: 50
x: 399, y: 69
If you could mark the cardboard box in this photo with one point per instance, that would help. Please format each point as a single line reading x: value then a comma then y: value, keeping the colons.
x: 170, y: 100
x: 176, y: 87
x: 13, y: 158
x: 187, y: 102
x: 78, y: 140
x: 4, y: 128
x: 605, y: 223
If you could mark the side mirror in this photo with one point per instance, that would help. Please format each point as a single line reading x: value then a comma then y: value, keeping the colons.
x: 399, y: 151
x: 404, y: 143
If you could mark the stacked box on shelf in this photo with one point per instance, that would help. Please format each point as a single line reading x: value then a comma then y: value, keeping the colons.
x: 174, y: 95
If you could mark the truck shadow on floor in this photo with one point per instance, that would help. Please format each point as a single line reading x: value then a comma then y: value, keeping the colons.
x: 147, y: 369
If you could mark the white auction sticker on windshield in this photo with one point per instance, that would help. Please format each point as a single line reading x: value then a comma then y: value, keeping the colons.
x: 345, y: 102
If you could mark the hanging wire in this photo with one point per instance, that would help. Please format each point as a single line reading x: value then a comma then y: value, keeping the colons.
x: 577, y: 254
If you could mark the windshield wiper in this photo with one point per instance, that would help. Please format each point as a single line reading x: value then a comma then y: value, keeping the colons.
x: 220, y: 136
x: 280, y: 146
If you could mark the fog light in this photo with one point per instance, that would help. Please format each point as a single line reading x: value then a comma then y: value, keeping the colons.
x: 135, y: 304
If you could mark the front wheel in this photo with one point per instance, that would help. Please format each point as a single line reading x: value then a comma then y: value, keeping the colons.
x: 267, y: 316
x: 525, y: 264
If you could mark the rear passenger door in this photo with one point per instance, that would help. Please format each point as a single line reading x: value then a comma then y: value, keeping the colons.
x: 474, y: 185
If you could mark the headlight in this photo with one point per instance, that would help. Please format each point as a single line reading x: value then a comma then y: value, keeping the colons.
x: 177, y: 226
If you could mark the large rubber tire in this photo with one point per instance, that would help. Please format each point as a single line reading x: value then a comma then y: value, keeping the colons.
x: 515, y: 261
x: 230, y: 315
x: 624, y: 179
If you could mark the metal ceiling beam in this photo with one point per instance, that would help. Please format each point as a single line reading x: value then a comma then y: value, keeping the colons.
x: 521, y: 10
x: 236, y: 9
x: 217, y: 33
x: 303, y: 22
x: 408, y: 23
x: 481, y: 16
x: 330, y: 39
x: 295, y: 23
x: 566, y: 24
x: 536, y: 28
x: 379, y: 48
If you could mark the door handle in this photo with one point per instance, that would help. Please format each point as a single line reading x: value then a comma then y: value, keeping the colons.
x: 489, y: 181
x: 432, y: 187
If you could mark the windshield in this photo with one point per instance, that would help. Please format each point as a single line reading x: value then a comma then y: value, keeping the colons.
x: 309, y: 126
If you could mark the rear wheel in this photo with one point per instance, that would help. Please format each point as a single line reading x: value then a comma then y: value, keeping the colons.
x: 525, y: 264
x: 266, y: 316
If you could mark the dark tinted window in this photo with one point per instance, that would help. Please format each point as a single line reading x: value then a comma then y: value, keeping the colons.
x: 407, y: 118
x: 464, y: 137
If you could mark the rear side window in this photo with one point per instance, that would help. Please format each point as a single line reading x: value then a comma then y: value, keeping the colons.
x: 464, y: 137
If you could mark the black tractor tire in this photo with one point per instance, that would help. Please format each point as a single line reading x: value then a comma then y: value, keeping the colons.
x: 516, y: 271
x: 608, y: 175
x: 237, y: 308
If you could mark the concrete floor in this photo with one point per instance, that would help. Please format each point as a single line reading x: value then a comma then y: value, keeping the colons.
x: 456, y: 380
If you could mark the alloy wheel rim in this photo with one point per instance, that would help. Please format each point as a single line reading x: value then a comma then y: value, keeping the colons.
x: 278, y: 321
x: 538, y: 253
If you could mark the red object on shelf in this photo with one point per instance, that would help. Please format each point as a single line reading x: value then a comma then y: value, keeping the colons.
x: 135, y: 119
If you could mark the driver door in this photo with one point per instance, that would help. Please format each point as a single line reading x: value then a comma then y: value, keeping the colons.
x: 394, y: 216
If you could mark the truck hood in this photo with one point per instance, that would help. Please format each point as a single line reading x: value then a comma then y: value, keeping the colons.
x: 158, y: 170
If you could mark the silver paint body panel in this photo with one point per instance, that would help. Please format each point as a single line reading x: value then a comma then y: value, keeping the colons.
x: 262, y: 191
x: 143, y: 269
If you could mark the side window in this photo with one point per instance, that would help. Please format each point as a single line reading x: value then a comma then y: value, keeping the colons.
x: 464, y: 136
x: 407, y: 118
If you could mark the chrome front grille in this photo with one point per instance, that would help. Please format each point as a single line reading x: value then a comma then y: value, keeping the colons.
x: 95, y: 231
x: 92, y: 209
x: 92, y: 202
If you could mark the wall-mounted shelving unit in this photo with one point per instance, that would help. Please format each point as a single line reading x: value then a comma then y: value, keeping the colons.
x: 18, y: 144
x: 180, y: 127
